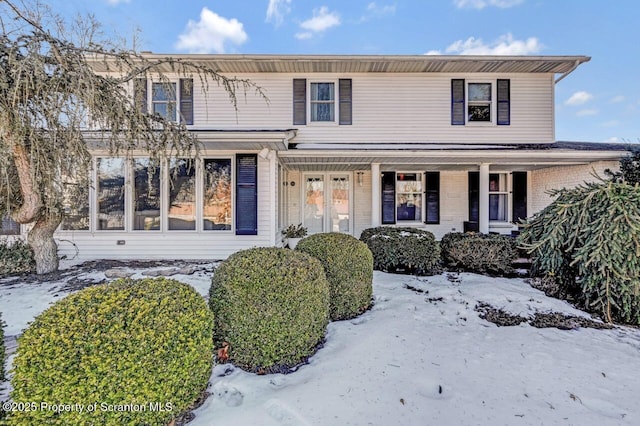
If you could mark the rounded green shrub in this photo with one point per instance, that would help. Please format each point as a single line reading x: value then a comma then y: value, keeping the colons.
x: 121, y: 351
x: 271, y: 305
x: 481, y: 253
x: 348, y: 265
x: 409, y: 250
x: 16, y: 258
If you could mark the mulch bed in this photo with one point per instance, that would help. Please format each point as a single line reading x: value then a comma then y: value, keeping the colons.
x: 540, y: 320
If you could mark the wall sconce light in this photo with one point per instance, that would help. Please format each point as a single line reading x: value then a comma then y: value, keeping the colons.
x: 359, y: 178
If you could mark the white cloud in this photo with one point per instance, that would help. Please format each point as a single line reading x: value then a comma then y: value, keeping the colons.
x: 375, y: 10
x: 304, y: 36
x: 211, y: 33
x: 276, y: 11
x: 579, y: 98
x: 117, y: 2
x: 504, y: 45
x: 586, y: 112
x: 388, y: 9
x: 617, y: 99
x: 481, y: 4
x: 613, y: 139
x: 321, y: 21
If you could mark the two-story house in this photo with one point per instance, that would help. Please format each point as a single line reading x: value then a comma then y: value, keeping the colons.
x: 442, y: 143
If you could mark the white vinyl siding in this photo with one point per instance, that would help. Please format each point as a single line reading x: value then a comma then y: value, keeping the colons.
x: 388, y: 108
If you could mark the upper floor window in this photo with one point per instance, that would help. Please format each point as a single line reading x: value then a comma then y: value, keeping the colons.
x: 480, y: 102
x: 324, y: 103
x: 479, y: 105
x: 171, y: 100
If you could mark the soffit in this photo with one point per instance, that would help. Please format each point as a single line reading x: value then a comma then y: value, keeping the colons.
x: 308, y: 64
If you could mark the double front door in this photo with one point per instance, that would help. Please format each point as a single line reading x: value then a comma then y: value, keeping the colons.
x: 327, y: 202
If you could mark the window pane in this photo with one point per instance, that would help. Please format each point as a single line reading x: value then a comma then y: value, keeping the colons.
x: 182, y: 194
x: 322, y: 91
x: 164, y: 92
x: 322, y: 112
x: 146, y: 194
x: 409, y: 196
x: 479, y: 113
x: 164, y: 100
x: 498, y: 207
x: 76, y: 207
x: 110, y: 194
x: 479, y: 92
x: 314, y: 205
x: 8, y: 226
x: 217, y: 195
x: 339, y: 204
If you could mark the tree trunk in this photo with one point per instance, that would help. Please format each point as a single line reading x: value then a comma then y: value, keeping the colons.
x: 31, y: 199
x: 45, y: 249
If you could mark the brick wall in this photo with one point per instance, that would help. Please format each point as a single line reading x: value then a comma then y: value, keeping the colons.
x: 543, y: 180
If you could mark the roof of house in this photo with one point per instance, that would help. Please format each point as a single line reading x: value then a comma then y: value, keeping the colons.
x: 229, y: 63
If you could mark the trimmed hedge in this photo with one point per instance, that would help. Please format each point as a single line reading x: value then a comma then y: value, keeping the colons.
x: 481, y: 253
x: 271, y: 305
x: 16, y: 258
x: 128, y: 342
x: 405, y: 249
x: 348, y: 264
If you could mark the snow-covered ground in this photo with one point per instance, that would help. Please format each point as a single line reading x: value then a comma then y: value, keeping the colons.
x: 422, y: 358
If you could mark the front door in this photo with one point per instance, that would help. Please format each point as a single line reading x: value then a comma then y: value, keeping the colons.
x: 327, y: 206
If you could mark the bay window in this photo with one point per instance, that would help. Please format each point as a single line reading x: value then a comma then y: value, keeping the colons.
x: 216, y: 208
x: 146, y: 194
x: 110, y: 194
x: 182, y: 195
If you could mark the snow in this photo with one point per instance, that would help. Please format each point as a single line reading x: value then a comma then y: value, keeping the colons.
x: 423, y: 358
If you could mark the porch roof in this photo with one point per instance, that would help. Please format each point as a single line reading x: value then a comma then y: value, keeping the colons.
x: 334, y: 157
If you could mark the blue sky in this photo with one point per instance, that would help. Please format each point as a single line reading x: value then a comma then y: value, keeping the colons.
x: 600, y: 101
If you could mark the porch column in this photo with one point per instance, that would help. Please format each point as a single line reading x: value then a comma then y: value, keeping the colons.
x: 375, y: 194
x: 483, y: 205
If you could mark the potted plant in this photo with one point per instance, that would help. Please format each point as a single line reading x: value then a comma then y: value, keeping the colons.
x: 293, y: 234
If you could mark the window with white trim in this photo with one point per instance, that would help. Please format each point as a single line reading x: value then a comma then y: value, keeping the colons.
x: 498, y: 197
x: 322, y: 101
x: 172, y: 100
x: 179, y: 194
x: 480, y: 102
x: 410, y: 197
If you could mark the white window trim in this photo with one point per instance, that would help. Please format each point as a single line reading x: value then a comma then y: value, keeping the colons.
x: 326, y: 176
x: 336, y: 102
x: 164, y: 200
x: 419, y: 221
x: 492, y: 105
x: 178, y: 101
x: 508, y: 192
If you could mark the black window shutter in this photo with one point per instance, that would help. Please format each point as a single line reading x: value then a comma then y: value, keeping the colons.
x: 388, y: 198
x: 186, y: 100
x: 344, y: 89
x: 140, y: 94
x: 457, y: 101
x: 432, y: 195
x: 246, y: 194
x: 474, y: 196
x: 519, y: 194
x: 504, y: 102
x: 300, y: 101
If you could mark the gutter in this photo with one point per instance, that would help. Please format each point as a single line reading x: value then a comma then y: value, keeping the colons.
x: 573, y: 68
